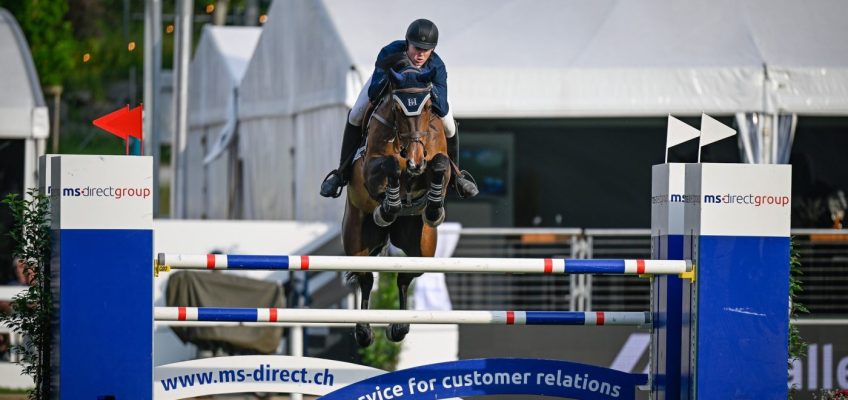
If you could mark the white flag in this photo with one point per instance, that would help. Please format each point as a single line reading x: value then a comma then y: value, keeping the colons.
x: 712, y: 131
x: 678, y: 132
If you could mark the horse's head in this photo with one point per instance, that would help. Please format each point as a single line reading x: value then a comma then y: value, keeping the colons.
x: 411, y: 116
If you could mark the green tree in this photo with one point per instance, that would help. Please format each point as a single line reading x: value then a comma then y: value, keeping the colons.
x: 48, y: 31
x: 31, y: 309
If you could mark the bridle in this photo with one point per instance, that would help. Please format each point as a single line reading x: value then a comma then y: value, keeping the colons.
x: 409, y: 137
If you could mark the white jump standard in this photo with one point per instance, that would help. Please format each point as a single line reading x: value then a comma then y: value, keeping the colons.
x: 294, y: 315
x: 417, y: 264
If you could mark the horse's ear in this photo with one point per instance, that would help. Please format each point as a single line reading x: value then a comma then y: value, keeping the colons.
x: 427, y: 75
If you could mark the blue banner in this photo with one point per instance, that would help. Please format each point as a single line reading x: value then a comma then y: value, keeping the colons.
x: 468, y: 378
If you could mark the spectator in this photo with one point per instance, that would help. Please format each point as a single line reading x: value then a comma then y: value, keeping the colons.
x: 23, y: 277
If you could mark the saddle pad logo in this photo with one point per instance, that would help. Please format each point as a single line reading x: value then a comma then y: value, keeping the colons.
x: 411, y: 103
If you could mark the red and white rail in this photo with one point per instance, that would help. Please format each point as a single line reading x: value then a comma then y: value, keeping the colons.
x: 422, y: 264
x: 299, y: 315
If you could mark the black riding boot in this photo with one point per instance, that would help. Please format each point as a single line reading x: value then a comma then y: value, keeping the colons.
x: 337, y: 179
x: 464, y: 183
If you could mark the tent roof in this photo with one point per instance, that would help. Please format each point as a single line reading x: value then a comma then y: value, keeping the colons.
x: 23, y: 113
x: 217, y: 68
x: 551, y: 58
x: 236, y: 45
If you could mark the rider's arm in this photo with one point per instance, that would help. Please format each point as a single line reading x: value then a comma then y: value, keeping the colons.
x: 440, y: 91
x: 378, y: 78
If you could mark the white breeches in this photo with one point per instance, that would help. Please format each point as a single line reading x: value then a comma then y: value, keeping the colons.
x: 357, y: 113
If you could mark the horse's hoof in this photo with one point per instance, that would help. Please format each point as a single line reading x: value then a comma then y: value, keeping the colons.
x: 434, y: 220
x: 396, y: 332
x: 380, y: 220
x: 363, y: 335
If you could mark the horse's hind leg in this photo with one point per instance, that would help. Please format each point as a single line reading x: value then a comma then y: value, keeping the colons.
x: 434, y: 213
x: 397, y: 332
x: 360, y: 235
x: 417, y: 240
x: 364, y: 281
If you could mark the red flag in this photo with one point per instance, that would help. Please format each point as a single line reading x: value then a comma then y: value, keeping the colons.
x: 123, y: 123
x: 135, y: 122
x: 115, y: 122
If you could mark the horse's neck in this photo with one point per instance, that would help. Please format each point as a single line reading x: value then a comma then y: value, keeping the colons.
x: 384, y: 106
x: 382, y: 111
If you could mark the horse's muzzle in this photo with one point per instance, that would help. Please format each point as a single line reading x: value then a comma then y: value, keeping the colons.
x: 415, y: 169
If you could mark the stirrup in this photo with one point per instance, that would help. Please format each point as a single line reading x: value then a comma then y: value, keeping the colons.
x: 463, y: 174
x: 338, y: 187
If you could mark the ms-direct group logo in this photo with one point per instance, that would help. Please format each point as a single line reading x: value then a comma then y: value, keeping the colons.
x: 750, y: 199
x: 116, y: 193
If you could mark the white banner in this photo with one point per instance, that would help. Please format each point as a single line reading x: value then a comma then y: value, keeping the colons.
x: 738, y: 199
x: 101, y: 192
x: 240, y: 374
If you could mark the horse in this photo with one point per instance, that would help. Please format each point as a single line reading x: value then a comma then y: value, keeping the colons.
x: 397, y: 188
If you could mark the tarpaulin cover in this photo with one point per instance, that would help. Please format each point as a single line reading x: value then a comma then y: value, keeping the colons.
x: 203, y: 289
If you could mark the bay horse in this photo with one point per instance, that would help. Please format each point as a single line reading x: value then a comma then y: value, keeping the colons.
x: 397, y: 188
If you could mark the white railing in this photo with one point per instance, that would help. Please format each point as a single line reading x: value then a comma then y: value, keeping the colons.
x: 824, y: 263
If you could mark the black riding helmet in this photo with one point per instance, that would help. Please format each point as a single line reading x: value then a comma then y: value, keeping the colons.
x: 422, y: 33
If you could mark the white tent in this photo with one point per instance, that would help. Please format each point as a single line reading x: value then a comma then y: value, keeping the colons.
x: 218, y: 66
x: 553, y: 58
x: 519, y: 59
x: 23, y: 114
x: 292, y: 110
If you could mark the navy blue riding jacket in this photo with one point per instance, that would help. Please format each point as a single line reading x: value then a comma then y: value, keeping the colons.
x: 440, y: 79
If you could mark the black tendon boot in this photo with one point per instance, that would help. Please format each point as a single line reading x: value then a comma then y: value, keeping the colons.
x: 337, y: 179
x: 464, y: 183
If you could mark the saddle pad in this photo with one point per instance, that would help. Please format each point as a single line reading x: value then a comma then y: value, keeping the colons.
x: 360, y: 151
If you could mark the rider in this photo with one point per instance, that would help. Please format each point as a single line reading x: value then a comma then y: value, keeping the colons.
x: 421, y: 38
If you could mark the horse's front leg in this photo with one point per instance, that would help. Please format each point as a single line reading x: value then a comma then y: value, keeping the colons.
x: 397, y: 332
x: 434, y: 213
x: 387, y: 211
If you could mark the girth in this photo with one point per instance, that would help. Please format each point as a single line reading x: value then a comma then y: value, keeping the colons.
x: 411, y: 207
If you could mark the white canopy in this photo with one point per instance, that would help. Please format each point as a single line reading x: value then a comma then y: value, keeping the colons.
x: 292, y: 109
x: 23, y: 114
x: 554, y: 58
x: 215, y: 73
x: 528, y: 59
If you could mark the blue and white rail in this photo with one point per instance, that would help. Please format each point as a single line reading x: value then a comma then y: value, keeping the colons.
x: 419, y: 264
x: 289, y: 315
